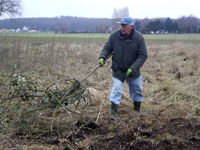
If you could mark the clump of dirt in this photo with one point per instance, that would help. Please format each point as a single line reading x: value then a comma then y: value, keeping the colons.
x: 172, y: 110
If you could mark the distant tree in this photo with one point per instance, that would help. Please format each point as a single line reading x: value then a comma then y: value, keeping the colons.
x: 158, y: 25
x: 137, y: 25
x: 187, y: 24
x: 143, y: 25
x: 192, y: 23
x: 145, y: 29
x: 151, y: 26
x: 101, y: 27
x: 169, y: 24
x: 175, y: 26
x: 64, y: 29
x: 198, y: 28
x: 57, y: 29
x: 117, y: 15
x: 10, y: 7
x: 43, y: 29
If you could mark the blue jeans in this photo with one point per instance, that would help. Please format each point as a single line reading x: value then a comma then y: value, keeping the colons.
x: 135, y: 90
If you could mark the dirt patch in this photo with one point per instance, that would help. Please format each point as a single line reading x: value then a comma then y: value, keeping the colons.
x: 164, y: 128
x: 173, y: 110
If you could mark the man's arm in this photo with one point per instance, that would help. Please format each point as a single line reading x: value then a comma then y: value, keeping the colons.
x: 107, y: 49
x: 142, y: 56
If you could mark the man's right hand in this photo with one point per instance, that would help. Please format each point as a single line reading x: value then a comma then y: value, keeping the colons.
x: 101, y: 61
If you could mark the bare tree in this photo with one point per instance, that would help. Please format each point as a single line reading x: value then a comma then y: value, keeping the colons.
x: 143, y: 23
x: 101, y: 27
x: 193, y: 23
x: 188, y: 24
x: 10, y: 7
x: 117, y: 15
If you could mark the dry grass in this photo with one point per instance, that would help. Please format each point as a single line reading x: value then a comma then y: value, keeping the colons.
x: 171, y: 82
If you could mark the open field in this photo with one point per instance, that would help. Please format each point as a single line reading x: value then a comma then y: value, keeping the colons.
x: 37, y: 71
x: 90, y: 38
x: 101, y: 35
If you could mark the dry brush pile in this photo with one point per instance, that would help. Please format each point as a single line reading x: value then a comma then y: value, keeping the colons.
x: 42, y: 102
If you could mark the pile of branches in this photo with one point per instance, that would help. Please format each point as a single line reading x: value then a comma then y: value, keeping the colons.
x: 26, y: 98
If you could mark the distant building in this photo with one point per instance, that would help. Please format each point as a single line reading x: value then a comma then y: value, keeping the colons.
x: 32, y: 31
x: 160, y: 32
x: 18, y: 30
x: 25, y: 28
x: 151, y: 32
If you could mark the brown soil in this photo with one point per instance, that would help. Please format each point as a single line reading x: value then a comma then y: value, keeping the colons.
x: 165, y: 127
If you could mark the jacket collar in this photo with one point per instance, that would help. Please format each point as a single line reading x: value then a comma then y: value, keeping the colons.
x: 130, y: 37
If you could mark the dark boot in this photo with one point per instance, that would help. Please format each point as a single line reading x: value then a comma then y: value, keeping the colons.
x: 114, y: 108
x: 137, y: 106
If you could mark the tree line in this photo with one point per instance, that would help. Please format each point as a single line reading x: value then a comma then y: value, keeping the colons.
x: 66, y: 24
x: 189, y: 24
x: 184, y: 24
x: 55, y: 24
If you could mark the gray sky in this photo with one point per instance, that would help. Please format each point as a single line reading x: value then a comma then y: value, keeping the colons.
x: 104, y: 8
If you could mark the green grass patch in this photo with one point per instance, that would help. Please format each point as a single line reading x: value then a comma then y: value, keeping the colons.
x: 97, y: 38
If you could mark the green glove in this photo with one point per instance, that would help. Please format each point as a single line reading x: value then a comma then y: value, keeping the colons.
x: 129, y: 73
x: 101, y: 61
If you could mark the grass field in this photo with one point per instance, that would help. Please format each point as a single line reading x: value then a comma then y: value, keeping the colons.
x: 37, y: 74
x: 101, y: 35
x: 98, y: 38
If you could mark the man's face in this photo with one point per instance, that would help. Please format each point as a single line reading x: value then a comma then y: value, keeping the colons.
x: 126, y: 29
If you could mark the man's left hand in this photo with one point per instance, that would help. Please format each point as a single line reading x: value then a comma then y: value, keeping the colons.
x: 129, y: 73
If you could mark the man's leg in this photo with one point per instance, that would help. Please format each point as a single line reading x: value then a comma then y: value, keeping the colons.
x: 135, y: 89
x: 115, y: 96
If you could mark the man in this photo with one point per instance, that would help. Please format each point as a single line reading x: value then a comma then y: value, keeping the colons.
x: 129, y: 54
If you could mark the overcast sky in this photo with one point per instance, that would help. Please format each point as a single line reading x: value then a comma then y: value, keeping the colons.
x: 104, y: 8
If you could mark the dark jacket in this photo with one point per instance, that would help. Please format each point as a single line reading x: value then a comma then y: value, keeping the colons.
x: 130, y: 53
